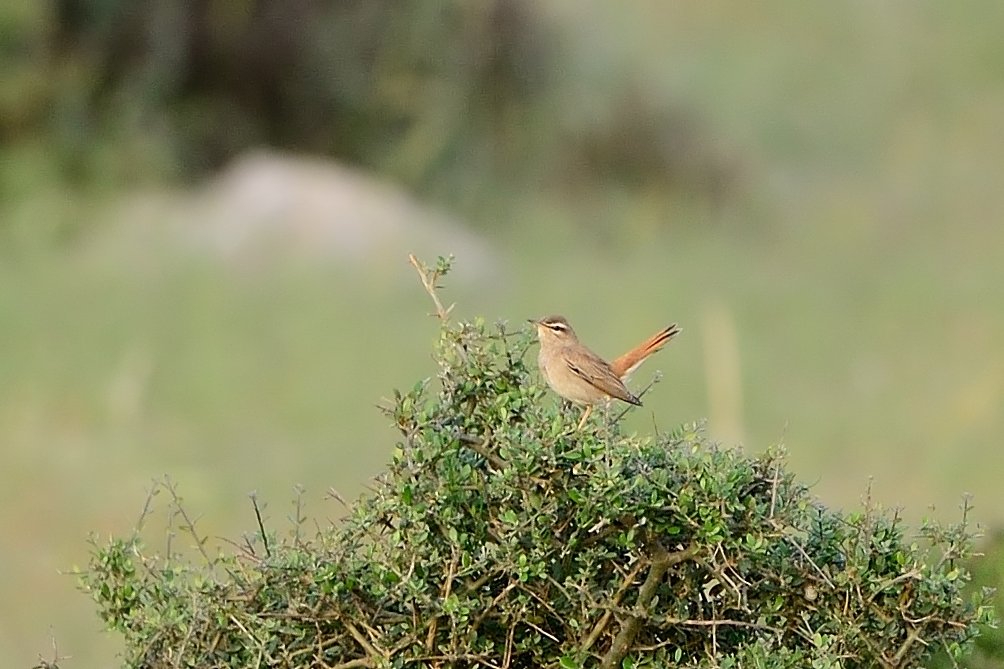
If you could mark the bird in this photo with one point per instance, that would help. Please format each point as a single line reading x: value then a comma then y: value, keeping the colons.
x: 577, y: 374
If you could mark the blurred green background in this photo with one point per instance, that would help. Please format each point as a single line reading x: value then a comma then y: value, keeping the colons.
x: 205, y: 210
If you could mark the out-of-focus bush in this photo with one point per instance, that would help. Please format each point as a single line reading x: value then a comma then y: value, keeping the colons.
x: 183, y: 86
x: 461, y: 101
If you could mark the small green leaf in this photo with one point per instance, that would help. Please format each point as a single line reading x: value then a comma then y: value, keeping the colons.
x: 568, y: 662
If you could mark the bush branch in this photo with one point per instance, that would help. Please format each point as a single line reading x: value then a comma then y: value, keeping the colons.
x: 662, y: 561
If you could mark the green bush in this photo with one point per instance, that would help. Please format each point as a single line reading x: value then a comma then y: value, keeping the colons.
x: 502, y: 537
x: 987, y: 572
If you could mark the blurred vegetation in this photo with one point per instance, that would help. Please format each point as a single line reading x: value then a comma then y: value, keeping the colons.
x: 811, y: 190
x: 461, y: 101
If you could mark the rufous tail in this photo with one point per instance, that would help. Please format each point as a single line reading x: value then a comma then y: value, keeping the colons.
x: 627, y: 363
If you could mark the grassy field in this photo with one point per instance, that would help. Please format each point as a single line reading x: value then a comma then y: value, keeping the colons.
x: 850, y: 305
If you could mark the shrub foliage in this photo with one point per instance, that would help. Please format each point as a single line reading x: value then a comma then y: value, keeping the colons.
x: 502, y: 537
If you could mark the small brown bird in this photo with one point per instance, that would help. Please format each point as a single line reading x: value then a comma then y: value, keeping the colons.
x: 579, y: 375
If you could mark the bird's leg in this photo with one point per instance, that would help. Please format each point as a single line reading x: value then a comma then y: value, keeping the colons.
x: 585, y: 415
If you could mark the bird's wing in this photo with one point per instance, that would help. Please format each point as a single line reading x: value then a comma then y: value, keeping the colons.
x: 597, y: 373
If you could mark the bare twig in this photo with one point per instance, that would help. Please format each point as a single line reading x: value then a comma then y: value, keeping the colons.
x: 337, y: 496
x: 261, y: 525
x: 354, y: 664
x: 254, y: 640
x: 429, y: 278
x: 948, y: 654
x: 656, y: 378
x: 508, y: 645
x: 480, y: 581
x: 911, y: 637
x: 298, y: 519
x: 56, y: 657
x: 498, y: 598
x: 445, y: 590
x: 888, y: 583
x: 246, y: 549
x: 480, y: 446
x: 547, y: 605
x: 461, y: 657
x: 147, y: 507
x: 618, y: 596
x: 374, y: 654
x: 189, y: 524
x: 720, y: 622
x: 798, y: 546
x: 773, y: 489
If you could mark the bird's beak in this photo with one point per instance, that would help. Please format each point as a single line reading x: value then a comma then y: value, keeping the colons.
x: 533, y: 320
